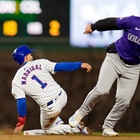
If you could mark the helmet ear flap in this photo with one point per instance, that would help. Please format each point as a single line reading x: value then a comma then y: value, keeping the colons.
x: 19, y: 59
x: 19, y: 54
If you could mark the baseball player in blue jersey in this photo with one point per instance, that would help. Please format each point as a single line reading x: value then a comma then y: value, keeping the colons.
x: 122, y: 62
x: 34, y: 79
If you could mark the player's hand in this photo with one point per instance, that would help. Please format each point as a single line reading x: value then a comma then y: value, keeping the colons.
x: 88, y: 29
x: 87, y: 66
x: 18, y: 129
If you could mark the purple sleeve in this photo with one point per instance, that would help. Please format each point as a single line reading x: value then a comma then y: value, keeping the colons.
x: 124, y: 23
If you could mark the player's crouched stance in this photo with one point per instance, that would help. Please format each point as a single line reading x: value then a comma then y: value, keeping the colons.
x: 35, y: 80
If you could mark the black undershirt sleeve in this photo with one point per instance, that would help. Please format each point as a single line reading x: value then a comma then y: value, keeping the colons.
x: 105, y: 24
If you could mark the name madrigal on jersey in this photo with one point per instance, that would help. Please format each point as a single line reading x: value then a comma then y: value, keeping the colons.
x: 28, y: 71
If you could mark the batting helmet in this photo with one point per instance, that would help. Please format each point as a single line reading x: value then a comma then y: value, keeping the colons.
x: 20, y: 52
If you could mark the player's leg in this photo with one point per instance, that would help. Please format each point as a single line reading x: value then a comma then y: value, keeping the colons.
x: 62, y: 129
x: 79, y: 129
x: 126, y: 86
x: 106, y: 78
x: 57, y: 128
x: 49, y: 115
x: 51, y: 123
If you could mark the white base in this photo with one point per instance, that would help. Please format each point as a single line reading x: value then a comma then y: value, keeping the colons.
x: 34, y: 132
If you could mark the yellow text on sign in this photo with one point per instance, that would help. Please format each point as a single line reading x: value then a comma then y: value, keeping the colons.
x: 10, y: 28
x: 54, y: 28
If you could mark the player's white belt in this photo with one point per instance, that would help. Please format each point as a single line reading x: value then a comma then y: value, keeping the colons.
x: 51, y: 102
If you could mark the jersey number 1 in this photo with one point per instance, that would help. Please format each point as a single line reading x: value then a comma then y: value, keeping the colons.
x: 43, y: 85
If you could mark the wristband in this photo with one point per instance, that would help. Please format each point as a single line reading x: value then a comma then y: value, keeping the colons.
x: 21, y: 121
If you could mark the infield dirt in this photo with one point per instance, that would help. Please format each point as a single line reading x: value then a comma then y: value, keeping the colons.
x: 66, y: 137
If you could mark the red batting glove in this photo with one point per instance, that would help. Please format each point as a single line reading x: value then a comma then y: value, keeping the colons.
x: 21, y: 121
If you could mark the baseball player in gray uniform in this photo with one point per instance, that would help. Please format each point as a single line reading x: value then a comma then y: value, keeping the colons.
x: 34, y: 79
x: 122, y: 62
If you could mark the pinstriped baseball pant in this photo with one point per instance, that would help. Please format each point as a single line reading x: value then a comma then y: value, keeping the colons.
x: 51, y: 123
x: 127, y: 78
x: 53, y: 110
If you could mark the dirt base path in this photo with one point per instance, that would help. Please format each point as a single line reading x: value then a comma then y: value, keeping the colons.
x: 66, y: 137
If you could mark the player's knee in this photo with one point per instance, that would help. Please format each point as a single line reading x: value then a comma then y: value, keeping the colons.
x: 51, y: 121
x: 123, y: 102
x: 101, y: 91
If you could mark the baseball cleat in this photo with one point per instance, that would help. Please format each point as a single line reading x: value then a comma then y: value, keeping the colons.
x: 86, y: 131
x: 109, y: 132
x: 75, y: 119
x: 83, y: 129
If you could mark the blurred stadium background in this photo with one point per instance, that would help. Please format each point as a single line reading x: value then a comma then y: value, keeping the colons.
x: 54, y: 29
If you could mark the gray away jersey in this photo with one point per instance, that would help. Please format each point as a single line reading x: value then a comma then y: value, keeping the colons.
x: 34, y: 79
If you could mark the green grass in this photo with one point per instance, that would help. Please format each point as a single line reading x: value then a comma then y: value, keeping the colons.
x: 130, y: 134
x: 120, y: 134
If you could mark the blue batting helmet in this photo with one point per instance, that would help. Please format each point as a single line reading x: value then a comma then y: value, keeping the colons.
x: 20, y: 52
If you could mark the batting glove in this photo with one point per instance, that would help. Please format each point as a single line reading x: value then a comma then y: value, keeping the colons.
x: 21, y: 121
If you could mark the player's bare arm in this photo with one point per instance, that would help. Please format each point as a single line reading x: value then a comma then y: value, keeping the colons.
x: 87, y: 66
